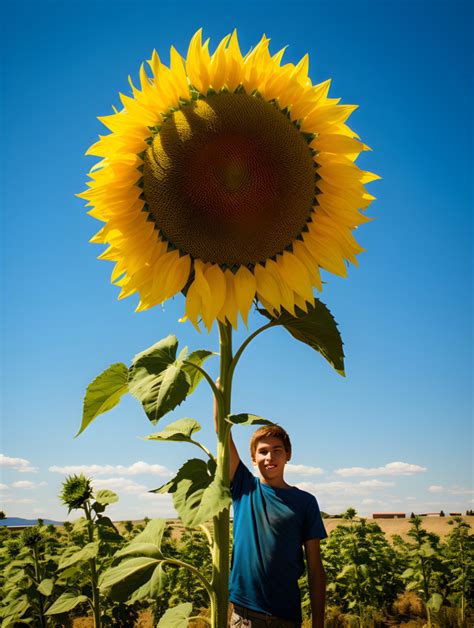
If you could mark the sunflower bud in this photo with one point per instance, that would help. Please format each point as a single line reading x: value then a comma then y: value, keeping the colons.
x: 77, y: 490
x: 31, y: 536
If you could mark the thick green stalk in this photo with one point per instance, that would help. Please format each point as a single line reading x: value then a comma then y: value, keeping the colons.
x: 220, y: 557
x: 38, y: 579
x: 93, y: 570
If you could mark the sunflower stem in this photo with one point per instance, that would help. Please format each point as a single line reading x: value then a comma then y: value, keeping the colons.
x: 94, y: 578
x: 220, y: 553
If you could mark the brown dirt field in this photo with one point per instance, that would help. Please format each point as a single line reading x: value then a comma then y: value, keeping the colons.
x: 437, y: 525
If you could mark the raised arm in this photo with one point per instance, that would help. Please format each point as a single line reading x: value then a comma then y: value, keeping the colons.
x: 316, y: 582
x: 234, y: 457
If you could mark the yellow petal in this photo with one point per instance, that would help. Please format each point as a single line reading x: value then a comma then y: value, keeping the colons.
x: 287, y: 298
x: 295, y: 275
x: 267, y: 288
x: 229, y: 310
x: 217, y: 285
x: 245, y: 286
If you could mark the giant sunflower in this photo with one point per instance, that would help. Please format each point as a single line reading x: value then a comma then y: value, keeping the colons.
x: 230, y: 178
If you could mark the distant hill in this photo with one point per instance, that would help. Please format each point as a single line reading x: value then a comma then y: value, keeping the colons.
x: 17, y: 521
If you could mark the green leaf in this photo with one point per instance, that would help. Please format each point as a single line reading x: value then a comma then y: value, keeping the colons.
x: 408, y: 573
x: 107, y: 531
x: 119, y: 582
x: 46, y: 586
x: 86, y: 553
x: 176, y: 617
x: 153, y: 588
x: 435, y: 601
x: 148, y: 550
x: 16, y: 609
x: 65, y: 603
x: 153, y: 533
x: 158, y: 380
x: 247, y: 419
x: 196, y: 357
x: 106, y: 497
x: 198, y: 493
x: 316, y: 328
x: 180, y: 430
x: 426, y: 550
x: 104, y: 393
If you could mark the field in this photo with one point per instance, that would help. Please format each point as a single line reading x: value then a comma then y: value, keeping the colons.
x: 436, y: 525
x: 382, y: 572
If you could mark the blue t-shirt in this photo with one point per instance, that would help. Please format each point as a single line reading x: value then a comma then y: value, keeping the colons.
x: 270, y: 527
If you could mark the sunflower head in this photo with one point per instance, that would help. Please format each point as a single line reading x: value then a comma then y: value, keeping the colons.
x: 231, y: 178
x: 76, y: 491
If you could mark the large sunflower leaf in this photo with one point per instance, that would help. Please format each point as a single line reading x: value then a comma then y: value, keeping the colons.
x: 153, y: 533
x: 119, y: 582
x: 86, y: 553
x: 158, y: 380
x: 151, y: 589
x: 181, y: 430
x: 134, y: 550
x: 176, y: 617
x: 198, y: 358
x: 317, y: 328
x: 104, y: 393
x: 198, y: 493
x: 65, y: 603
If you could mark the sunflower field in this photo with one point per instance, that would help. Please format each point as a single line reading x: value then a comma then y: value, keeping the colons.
x: 151, y: 573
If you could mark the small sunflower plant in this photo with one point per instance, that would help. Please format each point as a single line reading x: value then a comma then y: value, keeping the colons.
x: 230, y: 179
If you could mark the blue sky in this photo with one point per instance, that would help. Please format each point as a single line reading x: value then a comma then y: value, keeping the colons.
x: 405, y: 314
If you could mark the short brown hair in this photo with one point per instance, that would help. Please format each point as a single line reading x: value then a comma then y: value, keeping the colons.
x: 269, y: 430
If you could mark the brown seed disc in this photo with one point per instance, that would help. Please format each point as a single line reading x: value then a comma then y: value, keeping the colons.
x: 229, y: 179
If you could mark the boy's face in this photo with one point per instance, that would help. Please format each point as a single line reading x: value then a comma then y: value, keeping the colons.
x: 270, y: 459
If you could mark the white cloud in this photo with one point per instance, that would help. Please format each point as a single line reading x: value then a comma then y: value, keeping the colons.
x: 121, y: 485
x: 452, y: 490
x: 392, y: 468
x: 301, y: 469
x: 340, y: 487
x: 375, y: 483
x: 137, y: 468
x: 459, y: 490
x: 27, y: 484
x: 12, y: 500
x: 4, y: 487
x: 17, y: 464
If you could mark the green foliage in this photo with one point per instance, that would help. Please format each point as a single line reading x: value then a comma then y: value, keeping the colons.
x: 316, y: 328
x: 176, y: 617
x: 179, y: 431
x: 158, y: 378
x: 361, y: 567
x: 247, y: 419
x: 104, y: 393
x: 198, y: 492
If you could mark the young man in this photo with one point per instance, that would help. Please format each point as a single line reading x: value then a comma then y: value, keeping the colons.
x: 272, y: 523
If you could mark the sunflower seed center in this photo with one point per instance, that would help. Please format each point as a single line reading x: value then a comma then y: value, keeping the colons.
x: 229, y: 179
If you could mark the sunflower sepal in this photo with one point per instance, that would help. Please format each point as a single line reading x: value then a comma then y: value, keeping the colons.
x: 316, y: 328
